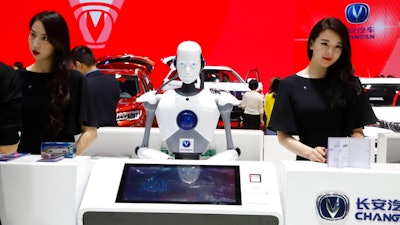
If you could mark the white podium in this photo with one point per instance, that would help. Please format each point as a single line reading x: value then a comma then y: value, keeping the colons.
x: 316, y: 194
x: 42, y: 193
x: 132, y: 191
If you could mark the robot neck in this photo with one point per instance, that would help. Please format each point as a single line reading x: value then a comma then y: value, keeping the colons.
x: 188, y: 90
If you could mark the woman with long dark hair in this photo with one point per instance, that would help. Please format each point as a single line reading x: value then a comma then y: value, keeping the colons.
x: 323, y: 100
x: 56, y: 102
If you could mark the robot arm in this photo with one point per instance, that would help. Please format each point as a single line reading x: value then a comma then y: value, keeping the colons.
x: 150, y: 101
x: 226, y: 98
x: 229, y: 155
x: 225, y: 103
x: 149, y: 153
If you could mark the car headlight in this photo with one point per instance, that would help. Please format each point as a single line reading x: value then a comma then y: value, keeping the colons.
x: 217, y: 90
x: 129, y: 115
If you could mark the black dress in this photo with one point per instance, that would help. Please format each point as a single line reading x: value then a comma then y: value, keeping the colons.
x: 10, y: 104
x: 35, y: 115
x: 302, y: 108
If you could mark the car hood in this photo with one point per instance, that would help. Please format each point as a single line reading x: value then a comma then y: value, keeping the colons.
x: 127, y: 104
x: 228, y: 86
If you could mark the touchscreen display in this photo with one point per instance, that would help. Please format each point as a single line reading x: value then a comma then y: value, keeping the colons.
x: 186, y: 184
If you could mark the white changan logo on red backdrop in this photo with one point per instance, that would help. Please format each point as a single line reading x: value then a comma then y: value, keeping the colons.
x: 96, y: 19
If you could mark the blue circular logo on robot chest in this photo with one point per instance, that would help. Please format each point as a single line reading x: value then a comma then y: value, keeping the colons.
x: 186, y: 120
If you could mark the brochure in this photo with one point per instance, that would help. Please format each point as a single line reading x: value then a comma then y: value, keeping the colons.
x: 15, y: 155
x: 349, y: 152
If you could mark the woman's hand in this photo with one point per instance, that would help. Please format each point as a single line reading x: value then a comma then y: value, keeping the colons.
x: 317, y: 154
x: 89, y: 134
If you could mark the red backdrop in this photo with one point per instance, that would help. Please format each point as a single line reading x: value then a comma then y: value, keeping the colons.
x: 268, y: 35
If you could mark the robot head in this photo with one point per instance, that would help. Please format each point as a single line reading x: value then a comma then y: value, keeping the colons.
x: 189, y: 61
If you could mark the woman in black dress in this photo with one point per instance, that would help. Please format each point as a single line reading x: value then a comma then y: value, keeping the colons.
x: 323, y: 100
x: 56, y: 101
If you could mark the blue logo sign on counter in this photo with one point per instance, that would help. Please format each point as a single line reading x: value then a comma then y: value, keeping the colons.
x: 333, y: 206
x: 357, y: 13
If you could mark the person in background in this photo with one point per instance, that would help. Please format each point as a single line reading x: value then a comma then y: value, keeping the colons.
x: 104, y: 89
x: 56, y: 100
x: 18, y: 65
x: 252, y: 104
x: 10, y: 107
x: 269, y: 103
x: 225, y: 77
x: 324, y: 99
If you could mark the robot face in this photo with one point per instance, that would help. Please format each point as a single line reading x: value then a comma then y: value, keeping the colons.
x: 189, y: 174
x: 188, y: 61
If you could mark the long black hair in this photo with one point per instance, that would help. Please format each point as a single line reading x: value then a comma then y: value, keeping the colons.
x: 343, y: 83
x: 273, y: 87
x: 58, y: 35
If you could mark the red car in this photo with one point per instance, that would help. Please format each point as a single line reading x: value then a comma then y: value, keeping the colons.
x: 133, y: 73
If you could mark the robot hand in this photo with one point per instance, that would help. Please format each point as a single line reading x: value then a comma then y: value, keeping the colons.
x: 229, y: 155
x: 149, y: 153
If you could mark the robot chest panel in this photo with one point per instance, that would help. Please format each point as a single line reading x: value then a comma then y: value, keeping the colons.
x: 172, y: 104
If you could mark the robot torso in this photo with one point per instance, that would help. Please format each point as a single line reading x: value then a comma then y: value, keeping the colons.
x: 187, y: 123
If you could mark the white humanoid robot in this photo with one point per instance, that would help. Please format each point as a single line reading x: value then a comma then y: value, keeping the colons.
x: 187, y: 117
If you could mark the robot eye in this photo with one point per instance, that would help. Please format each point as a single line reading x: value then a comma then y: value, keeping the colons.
x: 193, y: 64
x: 181, y: 64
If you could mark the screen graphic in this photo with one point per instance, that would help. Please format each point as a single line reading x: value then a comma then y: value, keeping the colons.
x: 186, y: 184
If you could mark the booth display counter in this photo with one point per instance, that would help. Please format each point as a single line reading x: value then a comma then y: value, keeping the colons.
x: 314, y: 193
x: 121, y: 142
x: 42, y: 193
x: 161, y: 192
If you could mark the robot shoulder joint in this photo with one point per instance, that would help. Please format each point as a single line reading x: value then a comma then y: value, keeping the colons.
x: 149, y: 97
x: 227, y: 98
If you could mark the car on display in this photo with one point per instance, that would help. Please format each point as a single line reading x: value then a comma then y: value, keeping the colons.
x: 218, y: 79
x: 133, y: 74
x: 383, y: 96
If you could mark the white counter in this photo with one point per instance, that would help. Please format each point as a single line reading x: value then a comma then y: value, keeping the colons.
x: 42, y: 193
x: 373, y: 194
x: 260, y: 198
x: 121, y: 141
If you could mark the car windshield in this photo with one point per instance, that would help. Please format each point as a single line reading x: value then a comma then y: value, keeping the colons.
x: 219, y: 76
x: 129, y: 86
